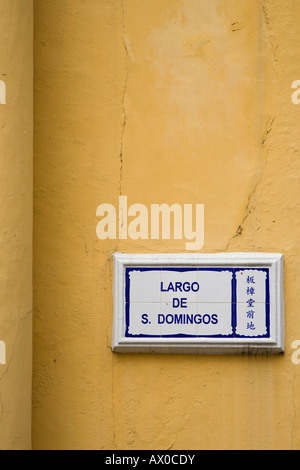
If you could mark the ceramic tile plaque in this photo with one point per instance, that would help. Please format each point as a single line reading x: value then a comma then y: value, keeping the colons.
x: 200, y: 304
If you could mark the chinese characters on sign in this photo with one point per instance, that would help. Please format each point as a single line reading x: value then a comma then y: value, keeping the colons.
x: 253, y: 303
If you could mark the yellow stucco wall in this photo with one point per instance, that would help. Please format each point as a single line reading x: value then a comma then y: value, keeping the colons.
x: 184, y: 101
x: 16, y: 152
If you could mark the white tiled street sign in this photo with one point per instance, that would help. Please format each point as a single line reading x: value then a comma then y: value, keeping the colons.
x: 198, y: 303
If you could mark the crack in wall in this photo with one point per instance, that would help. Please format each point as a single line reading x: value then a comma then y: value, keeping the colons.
x: 121, y: 158
x: 259, y: 175
x: 265, y: 7
x: 121, y: 155
x: 264, y: 4
x: 250, y: 206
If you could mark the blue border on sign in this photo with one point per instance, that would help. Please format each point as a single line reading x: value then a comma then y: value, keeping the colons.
x: 191, y: 269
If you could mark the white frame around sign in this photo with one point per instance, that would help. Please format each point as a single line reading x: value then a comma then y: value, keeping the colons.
x: 274, y: 344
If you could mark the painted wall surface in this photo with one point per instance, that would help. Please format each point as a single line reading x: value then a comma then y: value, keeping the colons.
x: 163, y: 101
x: 16, y: 153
